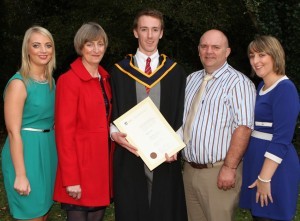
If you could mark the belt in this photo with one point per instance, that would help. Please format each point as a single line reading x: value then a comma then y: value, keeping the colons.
x: 207, y: 165
x: 37, y: 130
x: 261, y: 135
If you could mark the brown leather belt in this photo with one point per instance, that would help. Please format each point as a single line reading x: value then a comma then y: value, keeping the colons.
x: 207, y: 165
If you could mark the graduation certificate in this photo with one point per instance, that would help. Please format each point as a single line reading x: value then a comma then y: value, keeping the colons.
x: 149, y: 132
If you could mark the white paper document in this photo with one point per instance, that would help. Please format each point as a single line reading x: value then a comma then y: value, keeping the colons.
x: 149, y: 131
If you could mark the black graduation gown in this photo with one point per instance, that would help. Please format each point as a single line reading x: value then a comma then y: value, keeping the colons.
x: 130, y: 185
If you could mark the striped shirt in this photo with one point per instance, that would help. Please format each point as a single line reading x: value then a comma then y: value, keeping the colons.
x: 228, y: 102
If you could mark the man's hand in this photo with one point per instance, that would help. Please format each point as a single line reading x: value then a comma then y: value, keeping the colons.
x: 171, y: 159
x: 120, y: 138
x: 226, y: 178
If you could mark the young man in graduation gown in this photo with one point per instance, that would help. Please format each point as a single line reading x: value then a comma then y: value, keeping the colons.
x: 141, y: 194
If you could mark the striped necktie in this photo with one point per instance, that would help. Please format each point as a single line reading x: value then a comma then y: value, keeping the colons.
x: 148, y: 71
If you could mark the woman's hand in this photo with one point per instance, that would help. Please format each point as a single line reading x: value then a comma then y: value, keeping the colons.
x: 263, y: 193
x: 22, y: 185
x: 74, y: 191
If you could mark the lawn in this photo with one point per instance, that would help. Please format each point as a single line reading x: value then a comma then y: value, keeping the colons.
x: 57, y: 214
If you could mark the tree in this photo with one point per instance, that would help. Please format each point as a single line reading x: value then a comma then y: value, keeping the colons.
x: 185, y: 22
x: 280, y: 19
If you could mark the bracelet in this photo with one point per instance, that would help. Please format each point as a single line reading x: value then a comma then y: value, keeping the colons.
x: 233, y: 168
x: 262, y: 180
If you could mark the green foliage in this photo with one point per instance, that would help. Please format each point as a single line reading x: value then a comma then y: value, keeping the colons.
x: 185, y: 22
x: 280, y: 19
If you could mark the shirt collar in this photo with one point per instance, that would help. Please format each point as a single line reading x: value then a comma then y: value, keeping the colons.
x: 141, y: 56
x: 217, y: 73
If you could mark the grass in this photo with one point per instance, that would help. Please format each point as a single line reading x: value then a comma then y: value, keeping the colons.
x: 56, y: 214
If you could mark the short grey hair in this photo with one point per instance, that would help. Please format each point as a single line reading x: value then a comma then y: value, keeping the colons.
x: 90, y: 31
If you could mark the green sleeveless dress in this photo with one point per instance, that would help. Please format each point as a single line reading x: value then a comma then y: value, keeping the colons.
x: 39, y: 153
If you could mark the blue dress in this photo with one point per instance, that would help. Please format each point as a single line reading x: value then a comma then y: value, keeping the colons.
x: 276, y: 112
x: 39, y: 154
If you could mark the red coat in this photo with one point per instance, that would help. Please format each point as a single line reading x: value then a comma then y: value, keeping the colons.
x: 82, y: 136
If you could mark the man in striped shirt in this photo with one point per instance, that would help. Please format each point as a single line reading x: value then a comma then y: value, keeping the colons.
x: 218, y: 135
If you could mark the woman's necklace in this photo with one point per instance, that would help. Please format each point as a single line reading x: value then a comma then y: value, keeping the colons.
x: 39, y: 78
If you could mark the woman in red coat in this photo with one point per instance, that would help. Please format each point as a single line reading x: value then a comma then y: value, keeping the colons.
x: 82, y: 113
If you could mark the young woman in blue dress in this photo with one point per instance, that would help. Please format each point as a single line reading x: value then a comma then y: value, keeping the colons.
x: 29, y: 156
x: 271, y: 170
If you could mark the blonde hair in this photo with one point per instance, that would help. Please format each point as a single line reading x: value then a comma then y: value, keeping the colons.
x: 271, y: 46
x: 25, y: 66
x: 89, y: 32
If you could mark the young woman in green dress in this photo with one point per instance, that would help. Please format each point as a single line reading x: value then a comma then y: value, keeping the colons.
x: 29, y: 154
